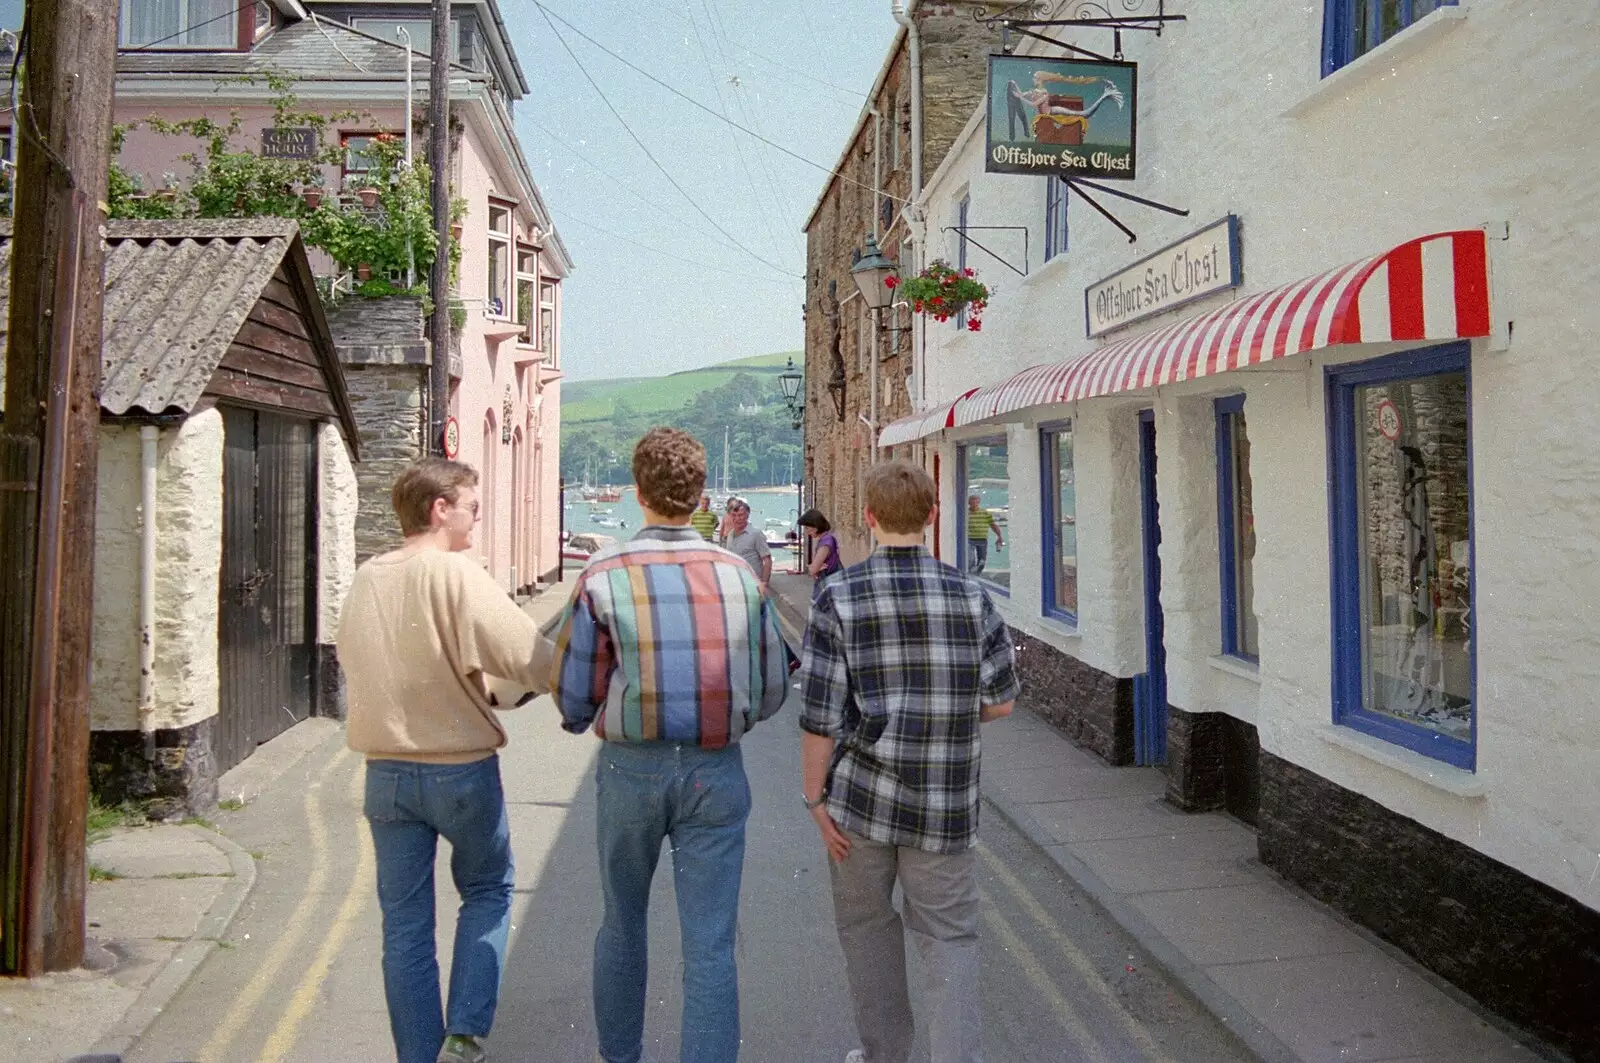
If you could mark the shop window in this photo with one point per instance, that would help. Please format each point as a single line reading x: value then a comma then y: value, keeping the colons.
x: 1352, y: 28
x: 1055, y: 218
x: 1059, y: 521
x: 498, y: 296
x: 1236, y: 532
x: 179, y: 24
x: 984, y: 481
x: 527, y: 285
x: 1401, y: 459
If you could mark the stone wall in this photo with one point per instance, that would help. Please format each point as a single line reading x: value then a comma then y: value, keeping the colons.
x: 188, y: 573
x: 1092, y: 708
x: 1518, y: 946
x: 839, y: 331
x: 385, y: 355
x: 336, y: 512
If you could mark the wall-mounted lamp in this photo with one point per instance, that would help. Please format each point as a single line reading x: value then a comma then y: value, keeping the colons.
x: 872, y: 273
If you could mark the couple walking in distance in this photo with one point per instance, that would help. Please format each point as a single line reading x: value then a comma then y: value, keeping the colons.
x: 670, y: 652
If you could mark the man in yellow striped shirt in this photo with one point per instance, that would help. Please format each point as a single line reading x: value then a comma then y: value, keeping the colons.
x: 980, y: 522
x: 703, y: 520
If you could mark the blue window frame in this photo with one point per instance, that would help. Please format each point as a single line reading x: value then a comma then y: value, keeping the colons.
x: 1400, y: 502
x: 1055, y: 218
x: 1352, y: 28
x: 983, y: 469
x: 961, y: 249
x: 1059, y: 521
x: 1236, y: 532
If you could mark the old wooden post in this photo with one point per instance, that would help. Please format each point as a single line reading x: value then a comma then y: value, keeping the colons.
x: 439, y: 276
x: 48, y: 451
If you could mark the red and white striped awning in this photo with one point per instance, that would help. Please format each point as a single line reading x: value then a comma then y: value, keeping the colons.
x: 908, y: 429
x: 1432, y: 288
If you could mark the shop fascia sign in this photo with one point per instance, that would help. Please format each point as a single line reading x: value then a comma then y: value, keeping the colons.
x: 1073, y: 118
x: 1201, y: 264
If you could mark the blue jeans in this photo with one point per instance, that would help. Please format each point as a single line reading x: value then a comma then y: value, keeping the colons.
x: 408, y: 806
x: 977, y: 554
x: 700, y: 799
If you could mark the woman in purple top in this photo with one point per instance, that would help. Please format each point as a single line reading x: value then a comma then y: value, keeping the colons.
x: 824, y: 547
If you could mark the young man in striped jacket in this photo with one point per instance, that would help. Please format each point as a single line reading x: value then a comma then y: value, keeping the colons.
x: 670, y: 651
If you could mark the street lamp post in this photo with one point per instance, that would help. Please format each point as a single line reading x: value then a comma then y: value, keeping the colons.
x: 874, y: 274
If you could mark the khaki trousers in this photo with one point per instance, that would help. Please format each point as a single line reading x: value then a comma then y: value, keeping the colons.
x: 940, y: 902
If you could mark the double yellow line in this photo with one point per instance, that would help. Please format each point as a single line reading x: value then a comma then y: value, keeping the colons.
x: 293, y: 934
x: 1091, y: 1043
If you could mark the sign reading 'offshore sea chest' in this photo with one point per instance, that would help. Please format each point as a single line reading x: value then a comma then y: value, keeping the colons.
x: 1198, y: 265
x: 1061, y: 117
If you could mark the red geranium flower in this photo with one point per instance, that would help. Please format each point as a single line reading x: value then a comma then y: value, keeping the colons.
x: 891, y: 280
x: 974, y: 325
x: 969, y: 272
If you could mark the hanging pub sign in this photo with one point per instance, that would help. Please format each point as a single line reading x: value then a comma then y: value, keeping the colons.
x: 1061, y: 117
x: 289, y: 143
x: 1197, y: 265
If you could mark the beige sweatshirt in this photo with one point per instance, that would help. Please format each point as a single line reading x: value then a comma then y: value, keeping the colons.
x: 417, y: 636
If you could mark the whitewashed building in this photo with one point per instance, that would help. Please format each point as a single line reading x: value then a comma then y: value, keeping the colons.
x: 1322, y: 539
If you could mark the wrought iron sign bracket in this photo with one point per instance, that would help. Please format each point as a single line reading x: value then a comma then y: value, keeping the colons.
x: 1089, y: 15
x: 1023, y: 272
x: 1078, y: 184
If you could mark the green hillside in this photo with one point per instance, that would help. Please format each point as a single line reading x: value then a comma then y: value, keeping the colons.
x: 590, y: 401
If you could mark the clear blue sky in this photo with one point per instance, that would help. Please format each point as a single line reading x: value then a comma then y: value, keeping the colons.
x: 695, y: 299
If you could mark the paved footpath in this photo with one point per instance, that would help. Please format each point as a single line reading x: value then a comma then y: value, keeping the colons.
x: 1292, y: 978
x: 298, y: 976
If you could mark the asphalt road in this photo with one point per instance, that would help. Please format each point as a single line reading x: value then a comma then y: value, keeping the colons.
x: 299, y: 977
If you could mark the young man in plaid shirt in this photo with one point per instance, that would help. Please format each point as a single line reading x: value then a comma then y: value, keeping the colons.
x: 905, y: 656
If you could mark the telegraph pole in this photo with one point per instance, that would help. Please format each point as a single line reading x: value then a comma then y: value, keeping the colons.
x: 439, y: 275
x: 48, y: 451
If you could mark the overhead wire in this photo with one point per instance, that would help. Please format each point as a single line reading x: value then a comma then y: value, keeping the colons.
x: 675, y: 257
x: 550, y: 15
x: 644, y: 148
x: 614, y: 179
x: 796, y: 71
x: 233, y: 14
x: 738, y: 149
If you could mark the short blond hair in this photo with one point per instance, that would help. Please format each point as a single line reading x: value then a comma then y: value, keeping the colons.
x: 669, y: 469
x: 424, y: 482
x: 900, y: 497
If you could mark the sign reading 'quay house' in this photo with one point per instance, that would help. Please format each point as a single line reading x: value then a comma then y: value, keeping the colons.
x: 1196, y: 266
x: 285, y: 143
x: 1061, y: 117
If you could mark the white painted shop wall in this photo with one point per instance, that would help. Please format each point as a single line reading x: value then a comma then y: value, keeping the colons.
x: 188, y: 575
x: 1410, y: 140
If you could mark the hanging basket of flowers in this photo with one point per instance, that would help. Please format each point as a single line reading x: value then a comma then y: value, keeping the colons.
x: 941, y: 292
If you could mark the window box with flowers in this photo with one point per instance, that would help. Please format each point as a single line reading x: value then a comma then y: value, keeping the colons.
x: 941, y: 292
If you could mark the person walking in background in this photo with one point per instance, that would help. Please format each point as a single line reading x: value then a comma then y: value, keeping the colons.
x: 824, y: 548
x: 669, y: 650
x: 749, y: 543
x: 423, y: 630
x: 904, y: 658
x: 980, y: 522
x: 704, y: 521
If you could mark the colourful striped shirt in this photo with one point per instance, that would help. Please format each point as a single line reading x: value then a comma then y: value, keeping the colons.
x: 668, y: 638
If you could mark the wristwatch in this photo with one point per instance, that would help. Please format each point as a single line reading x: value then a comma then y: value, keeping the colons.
x: 812, y: 806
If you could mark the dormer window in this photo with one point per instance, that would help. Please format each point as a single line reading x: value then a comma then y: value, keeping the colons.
x: 180, y: 24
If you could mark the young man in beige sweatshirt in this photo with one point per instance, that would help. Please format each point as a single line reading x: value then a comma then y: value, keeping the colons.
x: 423, y: 630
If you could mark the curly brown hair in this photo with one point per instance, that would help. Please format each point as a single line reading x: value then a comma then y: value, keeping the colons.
x: 669, y: 468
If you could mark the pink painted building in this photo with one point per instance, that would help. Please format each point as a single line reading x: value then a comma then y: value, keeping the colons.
x: 183, y: 61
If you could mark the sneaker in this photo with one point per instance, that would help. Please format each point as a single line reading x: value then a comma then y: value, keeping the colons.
x: 460, y: 1048
x: 857, y: 1055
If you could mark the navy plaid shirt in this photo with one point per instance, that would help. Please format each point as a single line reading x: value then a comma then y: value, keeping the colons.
x: 901, y: 653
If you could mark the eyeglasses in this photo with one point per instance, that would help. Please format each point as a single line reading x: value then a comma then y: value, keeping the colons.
x: 473, y: 509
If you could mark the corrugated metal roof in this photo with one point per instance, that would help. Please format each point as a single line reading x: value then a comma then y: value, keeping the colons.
x: 177, y: 293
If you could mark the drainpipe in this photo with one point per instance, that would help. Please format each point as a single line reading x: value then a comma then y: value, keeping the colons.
x: 411, y: 256
x: 877, y: 322
x: 149, y: 435
x: 904, y: 11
